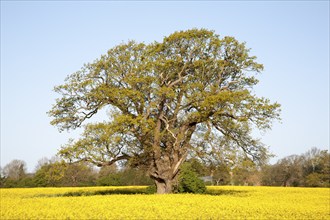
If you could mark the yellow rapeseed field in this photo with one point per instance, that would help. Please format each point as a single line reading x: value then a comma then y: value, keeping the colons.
x: 229, y: 202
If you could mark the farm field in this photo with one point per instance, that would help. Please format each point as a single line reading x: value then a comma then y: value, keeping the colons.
x: 225, y: 202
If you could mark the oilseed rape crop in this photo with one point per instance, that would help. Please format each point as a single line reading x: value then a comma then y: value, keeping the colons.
x: 223, y: 202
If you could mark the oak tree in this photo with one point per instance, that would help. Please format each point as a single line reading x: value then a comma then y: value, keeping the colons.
x: 190, y: 94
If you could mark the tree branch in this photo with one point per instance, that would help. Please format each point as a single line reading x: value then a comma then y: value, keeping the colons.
x: 109, y: 163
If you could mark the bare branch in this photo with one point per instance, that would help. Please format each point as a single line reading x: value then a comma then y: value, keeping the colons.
x: 164, y: 119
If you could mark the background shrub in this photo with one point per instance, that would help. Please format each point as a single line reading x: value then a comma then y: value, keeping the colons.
x: 189, y: 182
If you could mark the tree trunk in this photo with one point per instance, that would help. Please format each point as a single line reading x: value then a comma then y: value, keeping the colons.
x: 164, y: 172
x: 163, y: 186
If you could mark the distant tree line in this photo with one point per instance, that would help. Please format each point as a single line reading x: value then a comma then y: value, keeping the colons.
x: 311, y: 169
x: 56, y: 173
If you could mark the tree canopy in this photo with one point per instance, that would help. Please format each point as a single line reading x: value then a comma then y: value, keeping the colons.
x: 191, y: 94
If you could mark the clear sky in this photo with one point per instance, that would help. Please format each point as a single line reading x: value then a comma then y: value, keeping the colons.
x: 44, y: 41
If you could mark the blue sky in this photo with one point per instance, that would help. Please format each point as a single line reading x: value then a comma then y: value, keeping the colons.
x: 44, y: 41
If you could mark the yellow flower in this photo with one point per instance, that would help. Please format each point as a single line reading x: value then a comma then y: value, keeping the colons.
x: 227, y: 202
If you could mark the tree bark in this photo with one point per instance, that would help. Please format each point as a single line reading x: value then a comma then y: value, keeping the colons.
x: 164, y: 172
x: 164, y: 186
x: 166, y: 162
